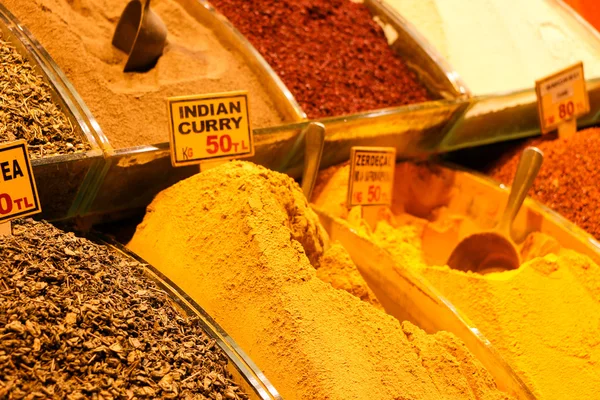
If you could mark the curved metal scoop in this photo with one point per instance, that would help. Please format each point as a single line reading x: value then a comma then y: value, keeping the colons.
x: 494, y: 250
x: 314, y: 139
x: 141, y: 34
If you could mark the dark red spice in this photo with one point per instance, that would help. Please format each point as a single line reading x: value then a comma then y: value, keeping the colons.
x: 330, y: 53
x: 569, y: 180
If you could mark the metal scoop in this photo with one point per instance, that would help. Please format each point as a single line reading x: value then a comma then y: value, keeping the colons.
x: 494, y: 250
x: 314, y: 140
x: 141, y: 34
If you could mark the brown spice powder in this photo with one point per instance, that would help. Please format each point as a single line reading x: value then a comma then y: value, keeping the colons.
x: 131, y: 108
x: 240, y: 239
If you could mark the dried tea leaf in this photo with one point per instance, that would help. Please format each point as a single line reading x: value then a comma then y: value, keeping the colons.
x: 28, y: 112
x: 102, y: 328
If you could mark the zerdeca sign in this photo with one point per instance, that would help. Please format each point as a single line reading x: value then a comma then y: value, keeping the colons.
x: 371, y: 179
x: 210, y: 126
x: 18, y: 193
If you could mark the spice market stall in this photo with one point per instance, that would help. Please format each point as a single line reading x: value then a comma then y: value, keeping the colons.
x: 350, y: 305
x: 90, y: 25
x: 538, y: 316
x: 242, y: 241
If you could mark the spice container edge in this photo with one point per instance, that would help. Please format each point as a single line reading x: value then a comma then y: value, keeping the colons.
x: 416, y: 300
x: 415, y: 130
x: 246, y: 368
x: 566, y: 232
x: 581, y: 22
x: 508, y: 116
x: 82, y: 163
x: 285, y: 102
x: 438, y: 75
x: 71, y: 100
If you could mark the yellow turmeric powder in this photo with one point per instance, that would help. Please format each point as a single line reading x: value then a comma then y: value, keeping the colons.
x: 544, y: 317
x: 337, y: 269
x: 243, y: 243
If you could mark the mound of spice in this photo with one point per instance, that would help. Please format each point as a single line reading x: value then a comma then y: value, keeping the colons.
x: 569, y: 177
x: 337, y: 269
x: 544, y: 318
x: 130, y: 107
x: 507, y: 44
x: 330, y: 53
x: 242, y: 241
x: 28, y: 112
x: 78, y: 320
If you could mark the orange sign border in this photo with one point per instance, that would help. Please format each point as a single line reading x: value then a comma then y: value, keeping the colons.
x: 23, y: 145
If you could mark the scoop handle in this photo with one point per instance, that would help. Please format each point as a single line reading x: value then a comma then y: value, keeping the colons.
x: 314, y: 139
x: 527, y: 170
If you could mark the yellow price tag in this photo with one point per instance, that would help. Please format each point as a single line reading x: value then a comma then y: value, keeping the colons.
x: 371, y: 180
x: 562, y: 97
x: 208, y: 127
x: 18, y: 193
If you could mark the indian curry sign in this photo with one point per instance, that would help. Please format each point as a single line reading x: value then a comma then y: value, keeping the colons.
x: 208, y: 127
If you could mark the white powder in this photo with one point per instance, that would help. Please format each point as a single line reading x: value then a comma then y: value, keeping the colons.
x: 503, y: 45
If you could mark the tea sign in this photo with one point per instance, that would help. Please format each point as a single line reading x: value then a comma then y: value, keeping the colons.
x: 18, y: 193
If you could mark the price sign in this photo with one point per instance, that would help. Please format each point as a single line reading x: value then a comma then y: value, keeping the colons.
x: 18, y: 193
x: 371, y: 180
x: 562, y: 97
x: 209, y: 127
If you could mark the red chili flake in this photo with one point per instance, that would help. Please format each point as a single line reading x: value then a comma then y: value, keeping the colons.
x: 569, y: 180
x: 330, y: 53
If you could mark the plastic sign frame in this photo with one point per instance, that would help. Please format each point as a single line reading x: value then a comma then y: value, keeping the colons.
x: 562, y: 97
x: 18, y: 192
x: 209, y: 127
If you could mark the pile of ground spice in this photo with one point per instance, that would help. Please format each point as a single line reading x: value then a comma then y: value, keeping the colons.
x: 330, y: 53
x: 515, y: 42
x: 337, y: 269
x: 242, y: 241
x: 28, y: 112
x: 544, y: 317
x: 130, y: 107
x: 568, y: 180
x: 79, y: 320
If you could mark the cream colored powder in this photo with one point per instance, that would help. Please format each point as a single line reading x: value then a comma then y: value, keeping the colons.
x: 544, y: 318
x: 131, y: 107
x: 242, y: 242
x: 502, y: 45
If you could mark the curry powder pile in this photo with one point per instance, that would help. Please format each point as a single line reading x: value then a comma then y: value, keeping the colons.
x: 544, y: 318
x: 242, y: 241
